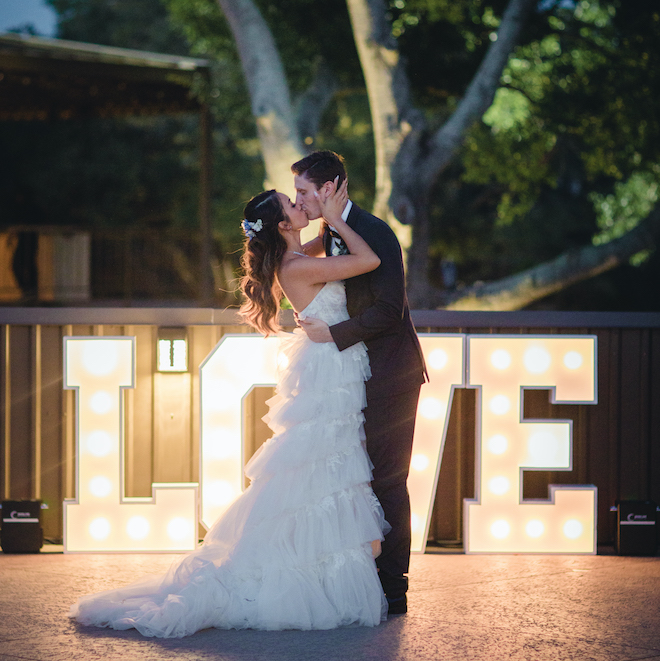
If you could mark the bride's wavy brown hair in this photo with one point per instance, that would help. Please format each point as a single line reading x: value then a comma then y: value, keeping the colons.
x: 261, y: 259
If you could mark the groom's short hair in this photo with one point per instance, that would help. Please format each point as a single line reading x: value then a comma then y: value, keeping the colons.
x: 321, y: 166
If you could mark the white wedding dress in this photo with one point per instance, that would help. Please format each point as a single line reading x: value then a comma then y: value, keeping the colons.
x: 293, y: 551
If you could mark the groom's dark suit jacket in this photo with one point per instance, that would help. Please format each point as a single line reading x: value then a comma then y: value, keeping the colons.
x: 380, y: 317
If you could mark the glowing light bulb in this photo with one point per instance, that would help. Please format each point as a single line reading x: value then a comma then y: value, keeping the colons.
x: 220, y: 492
x: 573, y: 360
x: 573, y: 529
x: 497, y: 444
x: 100, y: 358
x: 500, y: 529
x: 249, y: 362
x: 101, y: 402
x: 536, y: 360
x: 218, y: 395
x: 282, y: 361
x: 219, y: 443
x: 534, y: 528
x: 438, y: 359
x: 543, y: 448
x: 499, y: 485
x: 137, y: 527
x: 500, y: 359
x: 414, y: 522
x: 431, y: 408
x: 99, y: 443
x: 179, y: 528
x: 419, y: 462
x: 500, y: 404
x: 100, y: 486
x: 99, y: 528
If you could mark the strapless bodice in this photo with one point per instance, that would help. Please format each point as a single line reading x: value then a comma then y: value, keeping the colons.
x: 329, y: 304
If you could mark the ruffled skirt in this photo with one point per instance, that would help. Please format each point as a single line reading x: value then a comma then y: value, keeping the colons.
x: 294, y: 550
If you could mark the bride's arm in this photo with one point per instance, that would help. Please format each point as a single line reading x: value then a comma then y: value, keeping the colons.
x: 361, y: 260
x: 327, y: 269
x: 332, y: 208
x: 314, y: 248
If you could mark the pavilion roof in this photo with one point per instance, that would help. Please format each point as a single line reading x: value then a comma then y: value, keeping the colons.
x: 48, y: 79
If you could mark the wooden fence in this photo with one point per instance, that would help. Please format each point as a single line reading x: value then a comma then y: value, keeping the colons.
x: 616, y: 442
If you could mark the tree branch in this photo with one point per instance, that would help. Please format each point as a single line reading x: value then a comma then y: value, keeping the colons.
x: 311, y: 104
x: 392, y: 112
x: 481, y: 91
x: 269, y: 92
x: 517, y: 291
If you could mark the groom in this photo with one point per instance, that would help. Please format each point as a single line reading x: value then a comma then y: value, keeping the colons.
x: 378, y: 307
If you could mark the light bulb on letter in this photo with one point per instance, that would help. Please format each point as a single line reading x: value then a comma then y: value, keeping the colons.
x: 431, y: 408
x: 99, y: 528
x: 534, y: 528
x: 101, y: 402
x: 573, y: 360
x: 100, y: 486
x: 499, y: 485
x: 498, y: 444
x: 500, y: 529
x: 99, y: 443
x: 137, y: 527
x: 500, y: 359
x: 573, y: 529
x: 500, y: 404
x: 179, y: 528
x: 537, y: 360
x: 100, y: 358
x: 419, y: 462
x: 438, y: 359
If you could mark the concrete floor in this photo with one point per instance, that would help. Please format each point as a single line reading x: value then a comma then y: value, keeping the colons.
x: 532, y: 608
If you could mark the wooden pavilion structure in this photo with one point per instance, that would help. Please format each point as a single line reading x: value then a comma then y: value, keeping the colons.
x: 54, y: 80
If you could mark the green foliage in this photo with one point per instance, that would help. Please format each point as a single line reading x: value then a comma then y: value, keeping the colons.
x: 515, y: 153
x: 444, y: 42
x: 568, y: 152
x: 621, y: 211
x: 303, y: 45
x: 142, y: 25
x: 574, y: 126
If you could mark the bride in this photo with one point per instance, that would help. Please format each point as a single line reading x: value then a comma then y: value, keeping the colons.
x: 296, y: 549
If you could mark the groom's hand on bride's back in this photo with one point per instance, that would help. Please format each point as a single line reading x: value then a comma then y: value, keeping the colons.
x: 317, y: 330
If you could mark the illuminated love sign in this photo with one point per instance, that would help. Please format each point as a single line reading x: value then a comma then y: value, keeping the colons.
x: 445, y: 362
x: 236, y: 365
x: 497, y: 521
x: 100, y: 518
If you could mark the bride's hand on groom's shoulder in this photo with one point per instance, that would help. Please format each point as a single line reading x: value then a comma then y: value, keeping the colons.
x: 317, y: 331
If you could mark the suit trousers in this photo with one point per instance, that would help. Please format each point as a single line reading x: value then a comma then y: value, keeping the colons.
x: 389, y: 427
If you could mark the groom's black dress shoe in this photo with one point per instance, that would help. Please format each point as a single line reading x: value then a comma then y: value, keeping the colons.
x: 394, y: 588
x: 397, y: 606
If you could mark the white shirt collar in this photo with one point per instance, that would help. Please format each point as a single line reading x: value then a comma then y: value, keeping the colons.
x: 346, y: 211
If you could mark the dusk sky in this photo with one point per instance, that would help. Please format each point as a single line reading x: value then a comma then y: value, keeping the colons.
x: 15, y: 13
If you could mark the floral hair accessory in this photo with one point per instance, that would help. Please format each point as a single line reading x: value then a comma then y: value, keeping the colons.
x: 251, y: 229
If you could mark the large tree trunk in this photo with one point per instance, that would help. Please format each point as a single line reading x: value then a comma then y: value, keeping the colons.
x: 392, y: 113
x: 408, y: 160
x: 408, y: 163
x: 519, y: 290
x: 269, y: 92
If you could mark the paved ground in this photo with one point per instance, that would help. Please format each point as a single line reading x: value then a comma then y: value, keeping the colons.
x: 534, y: 608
